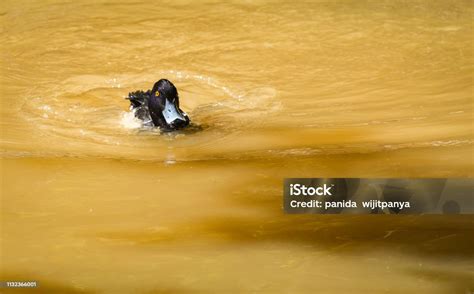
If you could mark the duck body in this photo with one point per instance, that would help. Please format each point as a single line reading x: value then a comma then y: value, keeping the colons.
x: 159, y: 107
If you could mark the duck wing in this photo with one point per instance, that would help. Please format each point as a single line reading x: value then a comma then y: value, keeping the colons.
x: 138, y: 98
x: 139, y: 105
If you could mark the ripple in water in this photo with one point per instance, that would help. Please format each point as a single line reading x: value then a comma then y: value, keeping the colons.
x: 86, y: 114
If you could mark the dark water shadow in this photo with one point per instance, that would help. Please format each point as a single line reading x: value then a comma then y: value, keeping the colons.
x: 440, y: 236
x: 193, y: 128
x: 429, y: 236
x: 436, y: 236
x: 424, y: 235
x: 458, y: 282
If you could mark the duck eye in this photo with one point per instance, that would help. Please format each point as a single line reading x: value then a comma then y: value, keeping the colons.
x: 157, y: 93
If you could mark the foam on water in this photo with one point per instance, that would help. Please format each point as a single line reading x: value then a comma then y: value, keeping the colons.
x: 129, y: 121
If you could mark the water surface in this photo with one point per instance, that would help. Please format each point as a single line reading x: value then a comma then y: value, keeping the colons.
x: 92, y: 202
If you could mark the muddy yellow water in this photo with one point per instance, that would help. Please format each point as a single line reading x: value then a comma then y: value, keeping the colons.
x: 93, y: 203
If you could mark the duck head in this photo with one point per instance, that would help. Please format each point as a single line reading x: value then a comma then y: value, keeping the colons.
x: 164, y: 107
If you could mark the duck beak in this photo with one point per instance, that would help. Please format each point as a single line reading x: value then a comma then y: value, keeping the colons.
x: 171, y: 113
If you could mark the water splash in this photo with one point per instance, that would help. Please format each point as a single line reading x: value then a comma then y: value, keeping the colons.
x: 129, y: 121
